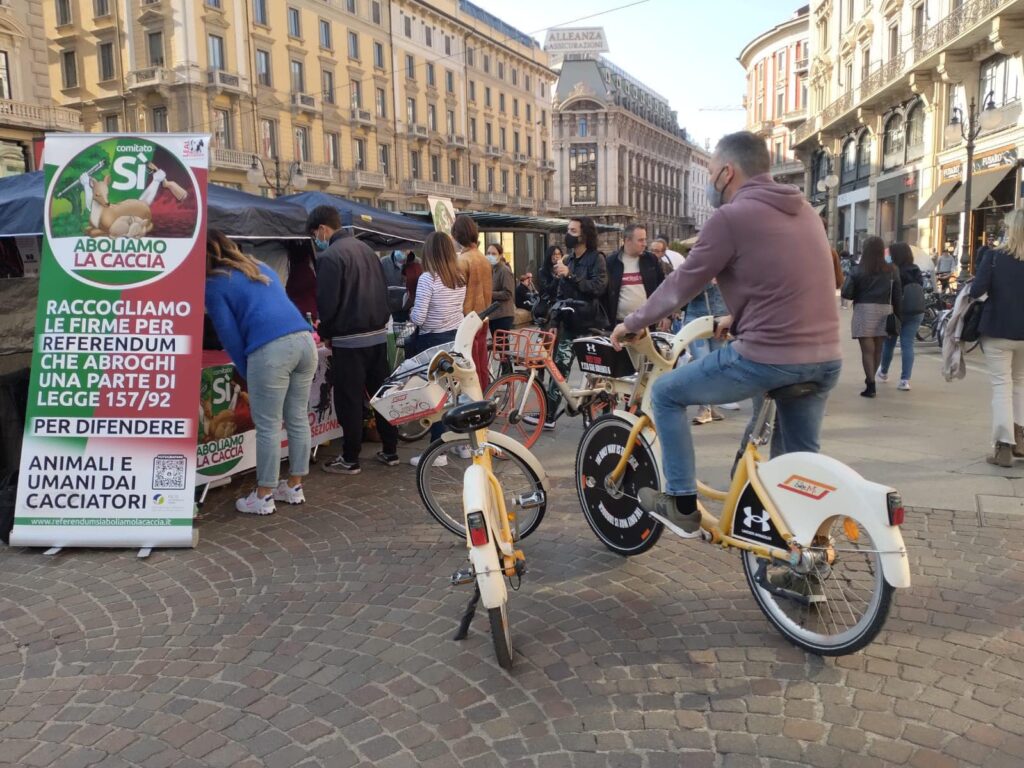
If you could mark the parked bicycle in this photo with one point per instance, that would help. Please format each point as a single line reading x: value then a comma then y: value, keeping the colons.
x: 820, y: 546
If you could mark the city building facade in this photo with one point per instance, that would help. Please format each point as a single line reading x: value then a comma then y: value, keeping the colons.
x: 776, y: 63
x: 27, y: 109
x: 698, y: 177
x: 620, y: 153
x: 382, y: 101
x: 891, y: 84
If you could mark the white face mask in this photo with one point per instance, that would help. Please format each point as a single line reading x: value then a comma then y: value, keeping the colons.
x: 493, y: 258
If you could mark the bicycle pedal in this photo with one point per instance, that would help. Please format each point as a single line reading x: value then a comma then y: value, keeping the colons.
x: 530, y: 500
x: 463, y: 576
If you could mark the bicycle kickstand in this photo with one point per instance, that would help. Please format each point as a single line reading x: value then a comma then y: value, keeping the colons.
x: 467, y: 617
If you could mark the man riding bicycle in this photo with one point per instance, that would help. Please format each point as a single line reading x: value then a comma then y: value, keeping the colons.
x: 771, y: 257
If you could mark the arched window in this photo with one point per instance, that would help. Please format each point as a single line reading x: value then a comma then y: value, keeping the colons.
x: 915, y: 132
x: 893, y: 142
x: 864, y: 156
x: 849, y: 172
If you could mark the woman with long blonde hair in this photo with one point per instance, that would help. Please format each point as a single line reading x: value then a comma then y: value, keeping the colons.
x: 272, y: 347
x: 440, y: 294
x: 1000, y: 274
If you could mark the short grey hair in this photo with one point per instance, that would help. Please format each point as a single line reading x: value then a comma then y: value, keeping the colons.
x: 745, y: 150
x: 627, y: 233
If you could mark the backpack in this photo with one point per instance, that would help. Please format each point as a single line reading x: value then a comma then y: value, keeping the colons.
x: 395, y: 282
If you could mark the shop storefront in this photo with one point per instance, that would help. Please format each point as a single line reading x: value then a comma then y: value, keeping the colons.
x: 994, y: 185
x: 897, y: 208
x: 853, y: 219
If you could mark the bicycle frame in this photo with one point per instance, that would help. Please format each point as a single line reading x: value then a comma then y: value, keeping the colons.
x: 760, y: 483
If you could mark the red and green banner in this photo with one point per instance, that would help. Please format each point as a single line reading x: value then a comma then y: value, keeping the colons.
x: 109, y: 455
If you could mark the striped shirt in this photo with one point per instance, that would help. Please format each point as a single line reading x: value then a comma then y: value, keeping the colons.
x: 437, y: 308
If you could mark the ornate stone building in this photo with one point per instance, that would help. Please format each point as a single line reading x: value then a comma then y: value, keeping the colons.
x: 621, y: 156
x: 27, y: 109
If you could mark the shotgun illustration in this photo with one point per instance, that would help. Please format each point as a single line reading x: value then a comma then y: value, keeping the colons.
x: 77, y: 182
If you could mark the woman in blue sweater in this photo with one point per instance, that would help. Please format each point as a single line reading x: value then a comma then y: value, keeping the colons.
x: 272, y: 347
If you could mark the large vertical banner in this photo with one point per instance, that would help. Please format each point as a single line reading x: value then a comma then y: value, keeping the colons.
x: 109, y: 456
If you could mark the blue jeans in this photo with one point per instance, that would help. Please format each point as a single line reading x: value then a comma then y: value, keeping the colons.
x: 280, y: 375
x: 908, y: 334
x: 724, y: 377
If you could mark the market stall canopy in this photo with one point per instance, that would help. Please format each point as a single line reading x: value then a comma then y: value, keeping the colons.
x: 235, y: 213
x: 507, y: 222
x: 381, y: 229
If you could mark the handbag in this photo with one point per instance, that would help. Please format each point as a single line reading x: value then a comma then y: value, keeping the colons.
x: 970, y: 331
x: 892, y: 321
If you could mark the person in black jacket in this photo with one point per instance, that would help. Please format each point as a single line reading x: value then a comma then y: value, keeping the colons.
x: 583, y: 277
x: 874, y: 288
x: 633, y: 275
x: 352, y: 298
x: 1001, y: 276
x: 912, y: 312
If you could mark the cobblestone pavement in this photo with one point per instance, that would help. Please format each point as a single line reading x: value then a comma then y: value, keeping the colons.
x: 320, y: 636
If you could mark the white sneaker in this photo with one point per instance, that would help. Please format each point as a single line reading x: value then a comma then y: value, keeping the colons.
x: 440, y: 461
x: 462, y: 450
x: 879, y: 376
x: 254, y: 505
x: 730, y: 406
x: 904, y: 385
x: 289, y: 495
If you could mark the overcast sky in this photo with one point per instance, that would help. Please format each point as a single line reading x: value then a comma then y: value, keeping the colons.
x: 684, y: 49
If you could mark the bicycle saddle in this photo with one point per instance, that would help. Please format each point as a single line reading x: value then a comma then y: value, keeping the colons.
x: 794, y: 391
x: 471, y: 416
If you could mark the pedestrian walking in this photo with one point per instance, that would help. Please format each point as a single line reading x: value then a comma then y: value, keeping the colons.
x: 478, y: 279
x: 440, y: 297
x: 272, y: 347
x: 912, y: 313
x: 502, y: 290
x: 944, y: 267
x: 874, y: 288
x: 353, y: 300
x: 1001, y: 276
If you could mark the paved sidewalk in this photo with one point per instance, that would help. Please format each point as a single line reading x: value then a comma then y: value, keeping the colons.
x: 320, y: 636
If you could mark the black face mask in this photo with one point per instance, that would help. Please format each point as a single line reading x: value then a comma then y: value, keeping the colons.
x: 571, y: 241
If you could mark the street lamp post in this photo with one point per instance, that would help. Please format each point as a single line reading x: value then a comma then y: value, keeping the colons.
x: 969, y: 130
x: 257, y: 174
x: 826, y: 185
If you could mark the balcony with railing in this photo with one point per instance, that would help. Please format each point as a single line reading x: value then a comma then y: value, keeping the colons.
x: 423, y: 187
x: 221, y: 157
x: 418, y: 132
x: 151, y: 77
x: 787, y: 168
x: 24, y: 115
x: 794, y: 116
x: 546, y: 165
x: 223, y: 80
x: 360, y: 116
x: 320, y: 171
x: 306, y: 102
x: 522, y: 202
x: 368, y: 180
x: 551, y: 206
x: 492, y: 151
x: 495, y: 198
x: 961, y: 28
x: 801, y: 64
x: 455, y: 141
x: 521, y: 158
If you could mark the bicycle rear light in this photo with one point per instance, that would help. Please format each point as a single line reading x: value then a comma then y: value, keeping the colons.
x: 896, y: 511
x: 477, y: 528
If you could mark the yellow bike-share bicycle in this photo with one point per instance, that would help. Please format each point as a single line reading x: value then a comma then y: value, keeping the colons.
x: 820, y: 545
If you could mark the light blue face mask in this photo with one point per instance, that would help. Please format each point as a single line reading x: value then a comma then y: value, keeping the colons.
x: 320, y: 245
x: 493, y: 258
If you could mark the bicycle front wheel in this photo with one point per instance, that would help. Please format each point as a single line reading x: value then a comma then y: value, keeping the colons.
x: 832, y: 609
x: 522, y: 408
x: 501, y: 634
x: 439, y: 481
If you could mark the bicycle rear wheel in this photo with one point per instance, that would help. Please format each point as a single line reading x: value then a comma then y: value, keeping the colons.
x: 517, y: 398
x: 411, y: 431
x: 439, y: 479
x: 501, y: 634
x: 850, y: 597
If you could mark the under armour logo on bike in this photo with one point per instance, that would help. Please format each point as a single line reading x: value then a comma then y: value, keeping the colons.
x: 749, y: 518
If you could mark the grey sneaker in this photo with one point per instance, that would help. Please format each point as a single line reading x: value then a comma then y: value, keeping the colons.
x: 703, y: 415
x: 663, y: 505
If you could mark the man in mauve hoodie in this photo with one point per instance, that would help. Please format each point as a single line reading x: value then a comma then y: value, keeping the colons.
x: 766, y: 247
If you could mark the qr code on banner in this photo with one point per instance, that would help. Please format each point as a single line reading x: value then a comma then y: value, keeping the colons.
x: 169, y: 472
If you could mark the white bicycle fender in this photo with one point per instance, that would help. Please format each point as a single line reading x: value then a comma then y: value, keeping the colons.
x: 812, y: 488
x: 506, y: 443
x: 484, y: 558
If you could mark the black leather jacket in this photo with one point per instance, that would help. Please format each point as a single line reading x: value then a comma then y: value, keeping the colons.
x: 587, y: 278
